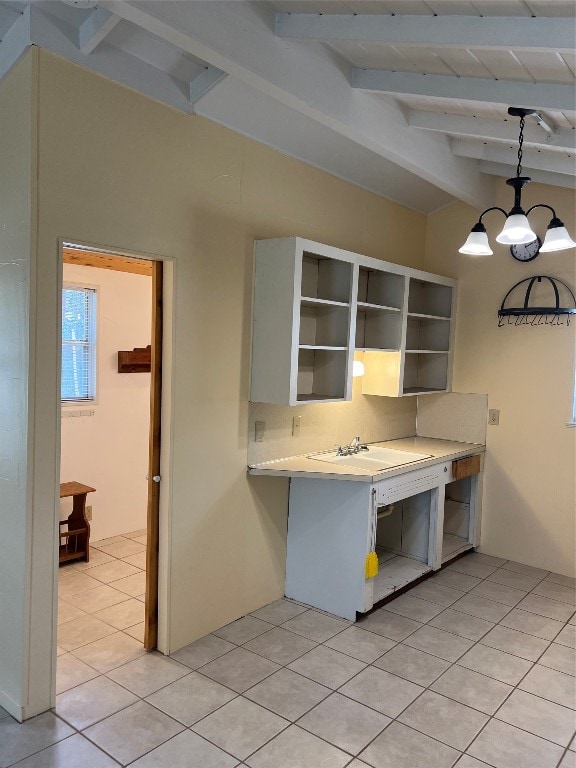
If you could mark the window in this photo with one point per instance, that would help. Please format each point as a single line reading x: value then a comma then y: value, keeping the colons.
x: 78, y: 344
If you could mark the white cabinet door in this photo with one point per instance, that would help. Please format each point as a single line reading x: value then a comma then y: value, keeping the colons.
x: 328, y: 532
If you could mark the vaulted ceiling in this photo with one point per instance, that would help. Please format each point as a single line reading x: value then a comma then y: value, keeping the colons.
x: 407, y: 98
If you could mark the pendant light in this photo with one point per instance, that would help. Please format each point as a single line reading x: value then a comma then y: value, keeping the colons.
x: 517, y: 229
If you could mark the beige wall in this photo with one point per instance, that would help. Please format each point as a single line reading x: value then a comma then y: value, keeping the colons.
x: 109, y: 449
x: 127, y: 172
x: 27, y: 520
x: 16, y: 158
x: 528, y: 373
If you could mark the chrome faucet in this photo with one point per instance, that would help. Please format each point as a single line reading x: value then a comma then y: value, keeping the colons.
x: 354, y: 446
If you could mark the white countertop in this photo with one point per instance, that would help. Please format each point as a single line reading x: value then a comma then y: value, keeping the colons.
x: 305, y: 466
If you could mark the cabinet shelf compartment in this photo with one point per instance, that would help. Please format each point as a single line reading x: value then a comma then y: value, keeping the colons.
x: 322, y: 374
x: 402, y: 544
x: 326, y: 278
x: 425, y: 372
x: 379, y: 288
x: 458, y: 528
x: 378, y: 328
x: 324, y: 325
x: 424, y: 333
x: 427, y: 298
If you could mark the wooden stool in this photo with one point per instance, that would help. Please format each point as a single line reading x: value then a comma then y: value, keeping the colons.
x: 75, y: 542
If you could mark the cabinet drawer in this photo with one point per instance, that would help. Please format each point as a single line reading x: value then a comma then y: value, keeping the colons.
x: 410, y: 483
x: 470, y: 465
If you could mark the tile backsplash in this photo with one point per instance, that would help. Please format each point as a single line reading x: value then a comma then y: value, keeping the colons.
x: 448, y: 415
x: 453, y: 416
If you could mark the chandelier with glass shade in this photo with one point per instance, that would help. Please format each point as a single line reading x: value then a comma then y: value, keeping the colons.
x: 517, y: 230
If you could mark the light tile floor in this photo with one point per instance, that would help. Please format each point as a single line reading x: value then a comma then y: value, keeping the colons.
x: 475, y: 668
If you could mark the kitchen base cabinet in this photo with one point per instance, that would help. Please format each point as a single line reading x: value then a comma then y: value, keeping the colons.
x: 424, y: 518
x: 327, y: 544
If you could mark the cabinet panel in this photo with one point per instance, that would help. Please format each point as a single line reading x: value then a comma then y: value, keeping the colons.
x: 382, y: 374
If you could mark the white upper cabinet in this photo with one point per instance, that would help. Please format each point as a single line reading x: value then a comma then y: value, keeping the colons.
x: 314, y: 305
x: 302, y: 345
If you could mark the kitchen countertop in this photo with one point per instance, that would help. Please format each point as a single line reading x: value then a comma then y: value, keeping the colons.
x: 305, y: 466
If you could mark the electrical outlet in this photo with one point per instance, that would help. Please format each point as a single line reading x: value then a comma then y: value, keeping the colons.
x: 493, y: 417
x: 296, y: 424
x: 259, y: 427
x: 88, y: 512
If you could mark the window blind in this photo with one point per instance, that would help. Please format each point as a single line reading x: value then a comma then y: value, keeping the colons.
x: 78, y: 344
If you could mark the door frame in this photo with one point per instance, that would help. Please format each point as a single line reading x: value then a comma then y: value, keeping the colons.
x: 157, y: 634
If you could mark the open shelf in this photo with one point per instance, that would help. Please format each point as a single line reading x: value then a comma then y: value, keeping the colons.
x: 428, y: 298
x: 320, y: 346
x: 379, y: 288
x: 307, y: 301
x: 322, y: 374
x: 364, y: 306
x: 325, y: 278
x: 378, y: 328
x: 425, y: 372
x: 424, y: 333
x: 324, y: 325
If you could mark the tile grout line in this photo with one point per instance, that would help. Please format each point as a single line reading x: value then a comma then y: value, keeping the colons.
x: 367, y: 665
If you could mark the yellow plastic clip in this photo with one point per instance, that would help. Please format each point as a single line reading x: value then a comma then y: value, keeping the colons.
x: 371, y: 566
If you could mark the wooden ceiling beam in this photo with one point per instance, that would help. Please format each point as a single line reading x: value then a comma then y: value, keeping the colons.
x: 85, y: 258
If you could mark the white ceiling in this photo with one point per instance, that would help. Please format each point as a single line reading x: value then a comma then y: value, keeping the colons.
x: 406, y: 98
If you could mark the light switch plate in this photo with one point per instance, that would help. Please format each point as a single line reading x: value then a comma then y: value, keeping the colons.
x: 259, y: 427
x: 296, y: 424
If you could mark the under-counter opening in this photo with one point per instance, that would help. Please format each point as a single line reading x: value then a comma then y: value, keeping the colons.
x: 457, y: 535
x: 402, y: 543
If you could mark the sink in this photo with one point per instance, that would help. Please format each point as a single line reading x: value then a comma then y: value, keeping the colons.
x: 376, y: 459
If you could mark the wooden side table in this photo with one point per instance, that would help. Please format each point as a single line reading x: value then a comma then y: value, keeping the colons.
x: 75, y: 541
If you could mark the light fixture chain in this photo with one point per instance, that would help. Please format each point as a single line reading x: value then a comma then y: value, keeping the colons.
x: 520, y: 142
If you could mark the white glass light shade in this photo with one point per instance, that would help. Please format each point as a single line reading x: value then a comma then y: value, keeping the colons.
x: 357, y: 368
x: 557, y: 239
x: 477, y: 245
x: 516, y: 231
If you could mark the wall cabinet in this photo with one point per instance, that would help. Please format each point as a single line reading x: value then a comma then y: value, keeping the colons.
x: 302, y: 345
x: 315, y: 305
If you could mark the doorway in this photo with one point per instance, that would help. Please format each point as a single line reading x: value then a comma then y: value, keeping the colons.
x: 111, y: 590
